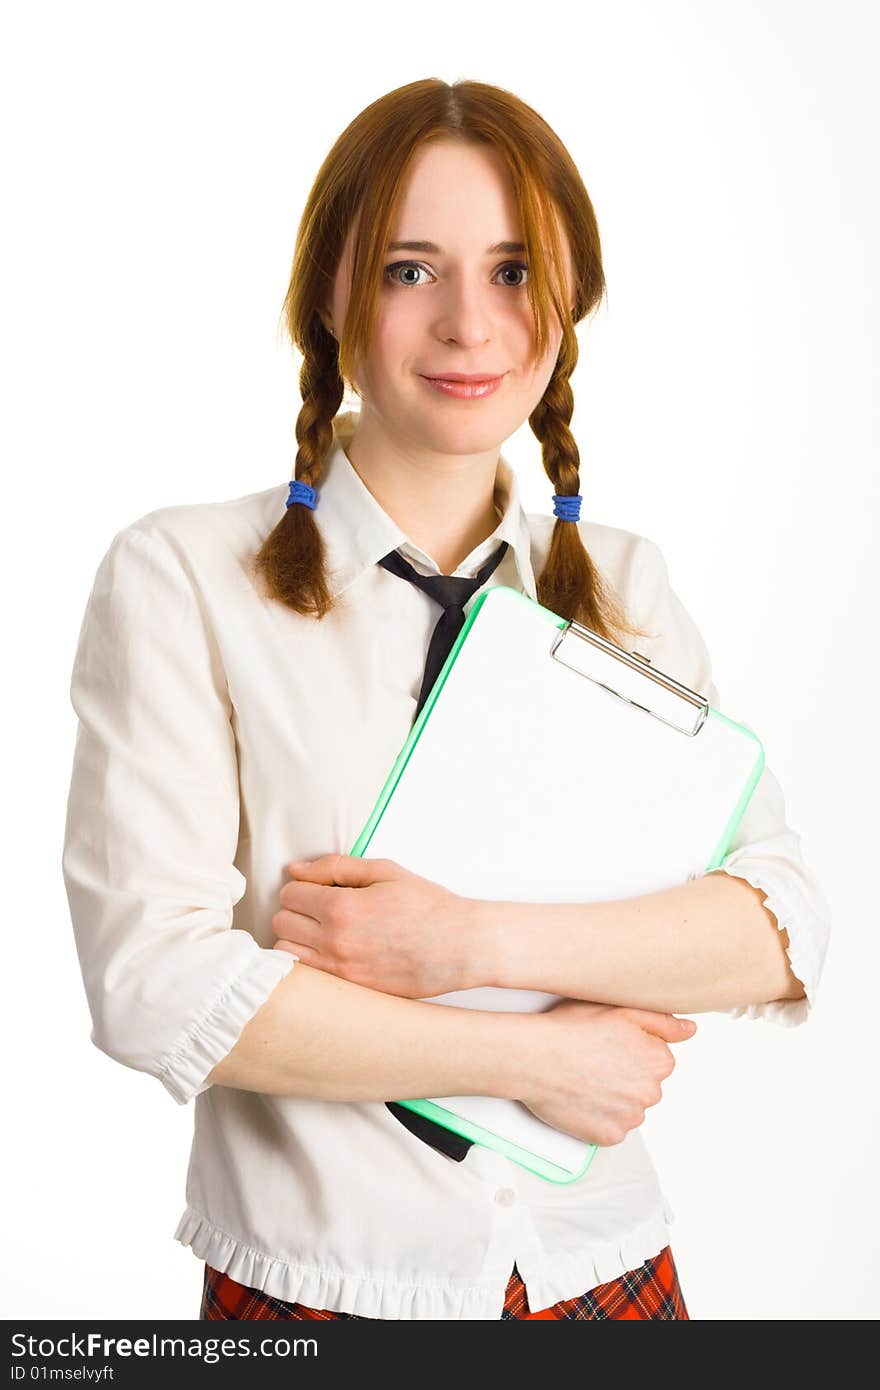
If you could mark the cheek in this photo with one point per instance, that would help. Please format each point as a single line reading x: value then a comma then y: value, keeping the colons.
x: 541, y: 374
x: 533, y: 380
x: 394, y: 350
x: 522, y: 328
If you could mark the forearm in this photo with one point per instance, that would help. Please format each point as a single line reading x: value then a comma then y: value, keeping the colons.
x: 708, y: 944
x: 322, y: 1036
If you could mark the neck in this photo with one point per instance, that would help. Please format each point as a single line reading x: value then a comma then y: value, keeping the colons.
x: 444, y: 502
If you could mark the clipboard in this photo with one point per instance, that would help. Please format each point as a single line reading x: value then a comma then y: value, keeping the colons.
x: 550, y: 765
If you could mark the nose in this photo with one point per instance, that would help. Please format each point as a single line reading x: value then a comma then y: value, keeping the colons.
x: 465, y: 315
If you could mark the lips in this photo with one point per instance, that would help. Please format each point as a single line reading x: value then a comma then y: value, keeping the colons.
x: 469, y: 380
x: 464, y: 388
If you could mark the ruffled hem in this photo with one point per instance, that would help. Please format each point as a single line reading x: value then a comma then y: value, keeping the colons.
x: 576, y: 1273
x: 390, y: 1299
x: 183, y: 1072
x: 788, y: 1012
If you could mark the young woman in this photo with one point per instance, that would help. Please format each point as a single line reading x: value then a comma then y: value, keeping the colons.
x: 246, y: 674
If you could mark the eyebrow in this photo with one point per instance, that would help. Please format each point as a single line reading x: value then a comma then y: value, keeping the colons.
x: 501, y: 248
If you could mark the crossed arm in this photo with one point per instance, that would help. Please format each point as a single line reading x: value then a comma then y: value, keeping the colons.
x: 709, y: 944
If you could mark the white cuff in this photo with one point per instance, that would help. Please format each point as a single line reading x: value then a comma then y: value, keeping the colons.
x: 184, y: 1068
x: 800, y: 909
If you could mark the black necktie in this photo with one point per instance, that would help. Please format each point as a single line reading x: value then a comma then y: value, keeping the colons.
x: 452, y: 594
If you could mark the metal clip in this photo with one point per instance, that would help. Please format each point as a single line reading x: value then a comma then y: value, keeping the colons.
x: 601, y: 661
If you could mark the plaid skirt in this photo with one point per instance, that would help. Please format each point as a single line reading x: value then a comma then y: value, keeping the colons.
x: 651, y: 1291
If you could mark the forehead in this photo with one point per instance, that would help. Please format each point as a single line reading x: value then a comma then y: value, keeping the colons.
x: 458, y: 195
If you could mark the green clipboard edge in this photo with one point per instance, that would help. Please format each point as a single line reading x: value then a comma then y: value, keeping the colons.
x: 543, y: 1167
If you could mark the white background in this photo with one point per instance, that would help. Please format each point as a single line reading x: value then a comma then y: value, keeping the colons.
x: 157, y: 160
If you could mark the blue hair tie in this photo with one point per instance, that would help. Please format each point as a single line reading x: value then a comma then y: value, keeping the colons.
x: 301, y: 492
x: 568, y: 508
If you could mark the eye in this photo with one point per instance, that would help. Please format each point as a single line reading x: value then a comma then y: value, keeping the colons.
x: 391, y: 272
x: 516, y: 265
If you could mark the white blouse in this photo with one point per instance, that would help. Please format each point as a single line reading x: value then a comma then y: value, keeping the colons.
x: 222, y: 735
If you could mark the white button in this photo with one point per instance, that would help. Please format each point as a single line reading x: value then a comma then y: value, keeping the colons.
x: 505, y: 1196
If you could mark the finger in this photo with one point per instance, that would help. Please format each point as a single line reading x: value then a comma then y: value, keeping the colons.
x: 314, y: 870
x: 309, y: 899
x: 665, y: 1026
x: 304, y: 954
x: 346, y: 870
x: 293, y: 926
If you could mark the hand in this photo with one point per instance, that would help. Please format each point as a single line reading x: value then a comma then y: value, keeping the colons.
x: 376, y: 924
x: 591, y: 1069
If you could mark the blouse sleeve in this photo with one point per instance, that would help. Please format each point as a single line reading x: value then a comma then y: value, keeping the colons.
x: 152, y: 826
x: 765, y: 851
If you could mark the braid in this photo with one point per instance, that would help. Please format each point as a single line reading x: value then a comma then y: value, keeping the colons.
x: 291, y: 560
x: 570, y: 584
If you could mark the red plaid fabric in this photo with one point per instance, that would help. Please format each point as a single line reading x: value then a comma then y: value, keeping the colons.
x: 651, y: 1291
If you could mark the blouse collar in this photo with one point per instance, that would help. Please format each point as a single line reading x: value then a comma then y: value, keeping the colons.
x: 358, y: 532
